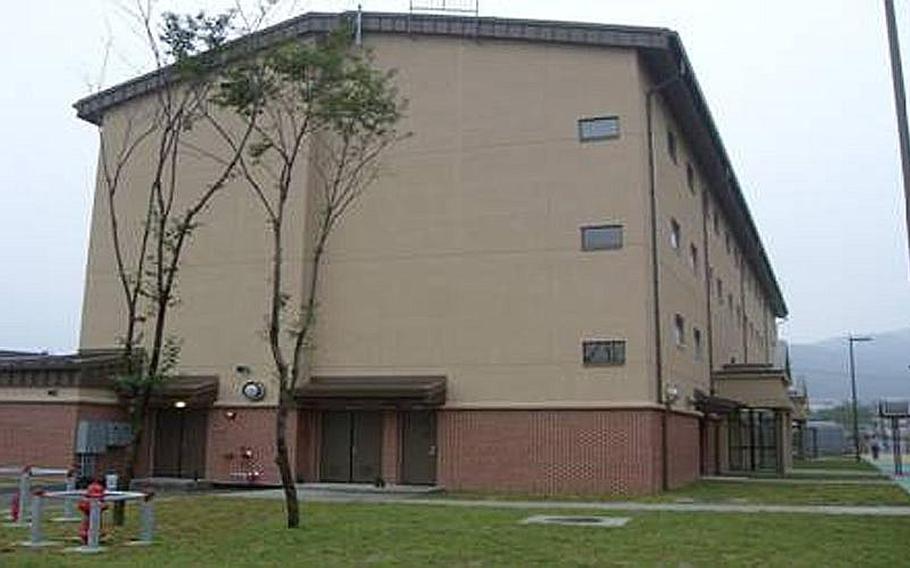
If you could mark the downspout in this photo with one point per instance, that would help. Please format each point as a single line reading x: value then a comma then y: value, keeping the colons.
x: 710, y: 325
x: 655, y: 279
x: 742, y: 304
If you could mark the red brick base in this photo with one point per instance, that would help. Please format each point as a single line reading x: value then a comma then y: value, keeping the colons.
x: 533, y: 451
x: 565, y: 451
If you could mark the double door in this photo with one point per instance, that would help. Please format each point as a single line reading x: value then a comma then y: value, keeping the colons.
x: 351, y: 446
x: 179, y: 449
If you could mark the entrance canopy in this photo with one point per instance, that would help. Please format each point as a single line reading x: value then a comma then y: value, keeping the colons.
x: 372, y: 392
x: 755, y: 386
x: 186, y: 391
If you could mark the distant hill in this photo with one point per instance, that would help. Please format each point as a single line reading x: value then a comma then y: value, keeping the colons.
x: 881, y: 367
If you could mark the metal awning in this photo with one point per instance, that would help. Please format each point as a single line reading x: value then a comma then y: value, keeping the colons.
x: 754, y: 385
x: 717, y: 405
x: 193, y: 391
x: 372, y: 392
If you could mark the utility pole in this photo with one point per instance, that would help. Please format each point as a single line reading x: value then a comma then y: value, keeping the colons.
x: 851, y: 339
x: 900, y: 103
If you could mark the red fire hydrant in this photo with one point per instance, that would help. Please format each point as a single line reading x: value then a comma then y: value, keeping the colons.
x: 14, y: 508
x: 94, y: 491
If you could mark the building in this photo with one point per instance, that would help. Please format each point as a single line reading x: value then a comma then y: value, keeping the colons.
x: 557, y: 287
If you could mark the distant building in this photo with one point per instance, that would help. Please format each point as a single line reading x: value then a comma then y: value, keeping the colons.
x: 824, y: 438
x: 557, y: 288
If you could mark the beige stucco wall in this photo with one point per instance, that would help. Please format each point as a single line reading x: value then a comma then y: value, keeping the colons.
x: 464, y: 259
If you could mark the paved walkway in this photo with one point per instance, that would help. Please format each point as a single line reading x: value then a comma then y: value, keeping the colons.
x: 885, y: 463
x: 876, y: 480
x: 332, y: 496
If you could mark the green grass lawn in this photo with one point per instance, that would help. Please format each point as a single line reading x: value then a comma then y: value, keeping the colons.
x: 752, y: 492
x: 789, y: 494
x: 845, y: 463
x: 212, y: 531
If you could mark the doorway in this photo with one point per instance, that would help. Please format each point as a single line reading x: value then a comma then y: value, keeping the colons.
x: 351, y: 446
x: 418, y: 447
x: 180, y: 436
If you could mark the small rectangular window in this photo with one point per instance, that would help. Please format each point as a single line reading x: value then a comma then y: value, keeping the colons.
x: 671, y: 146
x: 696, y: 339
x: 599, y: 128
x: 716, y: 221
x: 690, y: 177
x: 679, y: 330
x: 674, y: 234
x: 604, y: 352
x: 693, y: 258
x: 603, y: 237
x: 720, y: 290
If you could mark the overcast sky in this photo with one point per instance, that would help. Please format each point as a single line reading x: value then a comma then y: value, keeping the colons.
x: 800, y: 90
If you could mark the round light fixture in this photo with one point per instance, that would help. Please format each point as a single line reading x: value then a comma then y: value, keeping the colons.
x: 253, y: 390
x: 180, y: 404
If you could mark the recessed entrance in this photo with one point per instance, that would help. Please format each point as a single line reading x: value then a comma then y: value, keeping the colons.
x: 351, y: 446
x: 180, y: 436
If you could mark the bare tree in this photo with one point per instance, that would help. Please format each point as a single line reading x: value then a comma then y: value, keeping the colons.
x: 323, y: 107
x: 187, y: 53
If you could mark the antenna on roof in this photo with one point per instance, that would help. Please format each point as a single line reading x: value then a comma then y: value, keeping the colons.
x: 471, y: 7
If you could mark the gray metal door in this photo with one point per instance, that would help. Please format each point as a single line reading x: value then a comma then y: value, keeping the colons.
x: 366, y: 448
x: 336, y: 447
x: 351, y: 446
x: 180, y: 437
x: 418, y: 442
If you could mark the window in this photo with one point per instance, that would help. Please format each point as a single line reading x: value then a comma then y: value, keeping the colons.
x: 603, y: 352
x: 730, y: 302
x: 727, y: 241
x: 696, y: 339
x: 693, y: 258
x: 671, y: 146
x: 599, y: 128
x: 720, y: 290
x: 674, y: 234
x: 602, y: 237
x: 716, y: 221
x: 679, y: 330
x: 690, y: 177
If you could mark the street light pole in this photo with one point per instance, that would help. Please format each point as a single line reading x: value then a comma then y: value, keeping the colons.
x: 851, y: 339
x: 900, y: 103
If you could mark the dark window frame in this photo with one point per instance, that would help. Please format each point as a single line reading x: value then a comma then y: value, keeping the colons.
x: 583, y: 230
x: 672, y: 147
x: 590, y: 120
x: 615, y: 347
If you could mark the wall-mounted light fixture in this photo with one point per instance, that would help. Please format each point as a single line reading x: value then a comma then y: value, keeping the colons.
x: 253, y: 390
x: 230, y: 414
x: 180, y: 404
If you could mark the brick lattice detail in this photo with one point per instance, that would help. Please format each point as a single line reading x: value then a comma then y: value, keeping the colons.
x: 564, y: 451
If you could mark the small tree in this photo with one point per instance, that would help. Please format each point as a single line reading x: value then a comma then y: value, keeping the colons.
x: 322, y: 105
x: 187, y: 52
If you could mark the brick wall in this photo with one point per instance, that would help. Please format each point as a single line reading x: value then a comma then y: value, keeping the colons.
x: 683, y: 449
x: 37, y: 434
x: 309, y: 432
x: 252, y: 428
x: 564, y: 451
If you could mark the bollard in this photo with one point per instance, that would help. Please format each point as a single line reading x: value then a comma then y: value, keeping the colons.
x: 147, y: 533
x: 25, y: 482
x: 37, y: 534
x: 69, y: 513
x: 36, y: 539
x: 94, y: 526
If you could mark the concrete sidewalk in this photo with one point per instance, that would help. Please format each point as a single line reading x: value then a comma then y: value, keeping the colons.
x: 885, y: 464
x: 322, y: 496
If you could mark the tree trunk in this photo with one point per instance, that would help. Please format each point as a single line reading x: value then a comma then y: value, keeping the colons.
x: 283, y: 461
x: 137, y: 419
